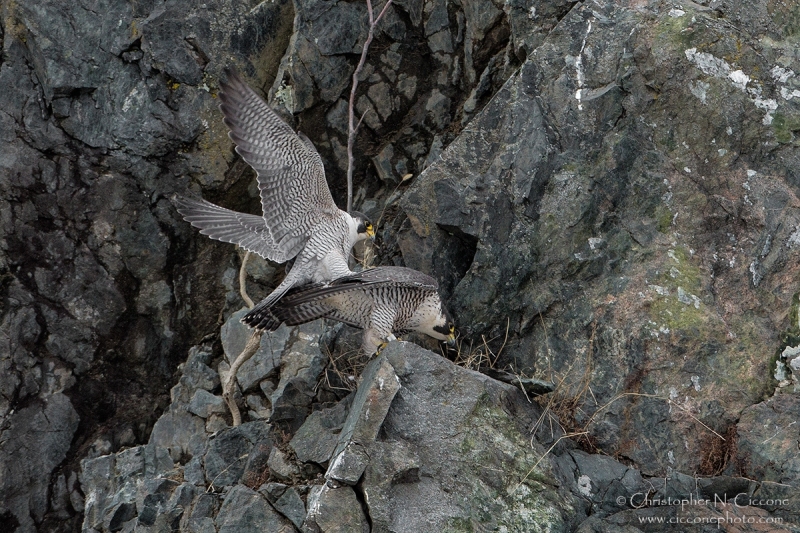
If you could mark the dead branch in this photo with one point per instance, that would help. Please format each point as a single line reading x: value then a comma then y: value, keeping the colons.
x: 228, y: 390
x: 352, y: 128
x: 243, y: 281
x: 230, y: 384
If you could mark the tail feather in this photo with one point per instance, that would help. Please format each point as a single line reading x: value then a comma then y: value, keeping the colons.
x: 262, y: 316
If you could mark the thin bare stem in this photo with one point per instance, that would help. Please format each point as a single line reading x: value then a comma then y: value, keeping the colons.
x: 250, y: 348
x: 243, y: 281
x: 562, y: 437
x: 656, y: 397
x: 352, y: 128
x: 230, y: 384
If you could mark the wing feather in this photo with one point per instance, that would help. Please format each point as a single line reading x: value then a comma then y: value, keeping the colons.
x: 248, y: 231
x: 293, y: 313
x: 386, y: 276
x: 343, y: 299
x: 291, y: 177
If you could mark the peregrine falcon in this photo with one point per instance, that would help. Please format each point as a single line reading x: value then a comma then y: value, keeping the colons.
x: 300, y: 219
x: 382, y: 301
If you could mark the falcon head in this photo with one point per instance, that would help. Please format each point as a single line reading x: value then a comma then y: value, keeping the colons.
x: 442, y: 327
x: 365, y: 228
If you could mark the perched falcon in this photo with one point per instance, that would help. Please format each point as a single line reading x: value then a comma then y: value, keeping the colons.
x: 382, y: 301
x: 300, y: 219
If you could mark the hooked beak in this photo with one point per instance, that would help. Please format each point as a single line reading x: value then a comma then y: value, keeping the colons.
x: 371, y: 233
x: 451, y: 339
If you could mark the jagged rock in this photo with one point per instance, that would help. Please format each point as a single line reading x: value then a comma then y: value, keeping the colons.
x: 392, y: 58
x: 272, y: 490
x: 637, y: 177
x: 391, y: 465
x: 37, y: 438
x: 216, y: 423
x: 365, y: 108
x: 112, y: 285
x: 246, y: 511
x: 380, y: 96
x: 256, y: 470
x: 161, y: 503
x: 604, y: 484
x: 59, y: 499
x: 378, y: 387
x: 193, y: 471
x: 120, y: 487
x: 766, y: 440
x: 203, y: 404
x: 383, y: 164
x: 258, y: 407
x: 316, y: 439
x: 196, y: 372
x: 437, y: 17
x: 286, y: 501
x: 441, y: 42
x: 603, y: 201
x: 181, y: 433
x: 280, y: 467
x: 302, y: 364
x: 442, y: 418
x: 334, y: 510
x: 438, y: 107
x: 201, y: 517
x: 229, y: 450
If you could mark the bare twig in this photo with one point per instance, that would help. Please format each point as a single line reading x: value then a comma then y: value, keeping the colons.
x: 243, y: 281
x: 211, y: 488
x: 250, y: 348
x: 230, y: 384
x: 655, y: 397
x: 351, y: 129
x: 562, y: 437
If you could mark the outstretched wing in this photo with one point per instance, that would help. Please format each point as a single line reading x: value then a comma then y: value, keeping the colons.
x: 248, y: 231
x: 291, y: 177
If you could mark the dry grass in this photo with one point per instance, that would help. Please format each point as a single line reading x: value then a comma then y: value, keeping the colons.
x: 718, y: 452
x: 229, y: 383
x: 480, y: 356
x: 346, y: 367
x: 569, y: 395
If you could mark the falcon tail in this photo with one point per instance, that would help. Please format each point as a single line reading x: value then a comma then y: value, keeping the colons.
x: 266, y: 314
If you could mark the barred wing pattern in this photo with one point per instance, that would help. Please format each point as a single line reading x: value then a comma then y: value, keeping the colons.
x: 291, y: 178
x: 386, y: 294
x: 248, y: 231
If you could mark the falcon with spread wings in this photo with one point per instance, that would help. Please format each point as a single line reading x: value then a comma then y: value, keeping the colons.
x: 300, y: 219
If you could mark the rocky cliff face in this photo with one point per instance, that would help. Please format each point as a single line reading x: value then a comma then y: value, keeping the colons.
x: 607, y: 193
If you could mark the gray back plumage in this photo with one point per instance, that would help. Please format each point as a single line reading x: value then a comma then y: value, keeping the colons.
x: 352, y: 299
